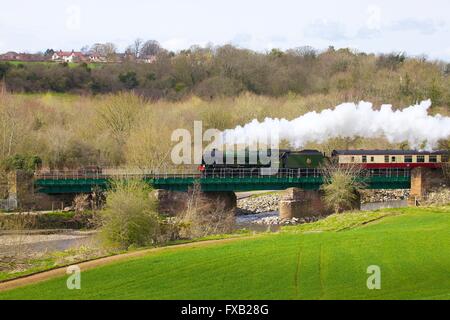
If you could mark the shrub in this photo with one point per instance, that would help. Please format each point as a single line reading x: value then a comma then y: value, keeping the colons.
x: 81, y: 202
x: 22, y: 162
x: 53, y: 220
x: 341, y: 187
x: 204, y: 217
x: 129, y: 79
x: 130, y: 217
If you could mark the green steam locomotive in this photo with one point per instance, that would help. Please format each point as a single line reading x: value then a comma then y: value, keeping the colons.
x: 283, y: 159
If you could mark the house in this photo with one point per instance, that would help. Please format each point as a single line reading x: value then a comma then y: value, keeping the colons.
x: 125, y: 57
x: 9, y: 56
x: 27, y: 57
x: 96, y: 58
x: 148, y: 59
x: 69, y: 57
x: 24, y: 57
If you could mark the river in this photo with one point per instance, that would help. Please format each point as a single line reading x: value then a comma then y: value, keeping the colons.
x: 50, y: 241
x: 268, y: 221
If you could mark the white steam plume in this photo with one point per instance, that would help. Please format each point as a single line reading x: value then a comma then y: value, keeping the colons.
x: 412, y: 124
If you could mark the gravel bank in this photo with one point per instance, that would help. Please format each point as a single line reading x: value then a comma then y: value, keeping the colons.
x: 271, y: 219
x: 259, y: 204
x: 35, y: 243
x: 438, y: 197
x: 371, y: 196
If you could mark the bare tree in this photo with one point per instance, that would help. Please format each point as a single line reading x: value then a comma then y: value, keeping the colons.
x: 143, y: 150
x: 81, y: 202
x: 150, y: 48
x: 108, y: 50
x: 12, y: 130
x: 135, y: 49
x: 118, y: 113
x: 203, y: 217
x: 85, y: 49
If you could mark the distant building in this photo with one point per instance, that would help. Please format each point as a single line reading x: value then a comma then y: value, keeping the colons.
x: 148, y: 59
x: 96, y: 58
x: 69, y: 57
x: 57, y: 56
x: 124, y: 57
x: 25, y: 57
x: 9, y: 56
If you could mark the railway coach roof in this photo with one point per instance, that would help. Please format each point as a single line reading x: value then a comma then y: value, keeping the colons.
x: 385, y: 152
x: 307, y: 152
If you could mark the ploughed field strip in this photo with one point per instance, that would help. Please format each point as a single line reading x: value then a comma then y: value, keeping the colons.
x: 325, y: 260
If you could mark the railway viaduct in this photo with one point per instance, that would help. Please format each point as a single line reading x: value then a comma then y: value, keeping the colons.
x: 56, y: 190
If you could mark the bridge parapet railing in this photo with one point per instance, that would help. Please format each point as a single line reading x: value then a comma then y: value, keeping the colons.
x: 107, y: 174
x: 219, y: 173
x: 260, y: 173
x: 297, y: 173
x: 391, y: 172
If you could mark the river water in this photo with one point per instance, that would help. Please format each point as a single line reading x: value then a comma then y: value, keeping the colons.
x: 68, y: 239
x: 261, y: 222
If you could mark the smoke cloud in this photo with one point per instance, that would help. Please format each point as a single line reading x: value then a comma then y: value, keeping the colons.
x: 413, y: 125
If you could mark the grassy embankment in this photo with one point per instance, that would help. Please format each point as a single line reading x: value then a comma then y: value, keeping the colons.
x: 324, y: 260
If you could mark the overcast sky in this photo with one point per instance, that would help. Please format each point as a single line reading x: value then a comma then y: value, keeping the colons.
x: 416, y: 27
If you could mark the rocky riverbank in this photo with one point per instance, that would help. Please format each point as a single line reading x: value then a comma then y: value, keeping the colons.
x: 271, y: 219
x: 262, y: 210
x: 438, y: 197
x: 259, y: 204
x: 371, y: 196
x: 271, y: 202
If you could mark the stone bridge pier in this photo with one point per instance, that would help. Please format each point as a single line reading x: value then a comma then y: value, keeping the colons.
x: 299, y: 203
x: 18, y: 193
x: 172, y: 203
x: 423, y: 180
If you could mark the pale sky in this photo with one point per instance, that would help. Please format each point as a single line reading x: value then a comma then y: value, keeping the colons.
x: 416, y: 27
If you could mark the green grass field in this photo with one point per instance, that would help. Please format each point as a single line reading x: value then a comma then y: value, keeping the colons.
x: 326, y: 260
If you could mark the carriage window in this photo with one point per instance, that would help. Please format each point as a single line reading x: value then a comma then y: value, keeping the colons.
x: 372, y: 159
x: 364, y: 159
x: 386, y: 159
x: 420, y: 159
x: 393, y: 159
x: 444, y: 158
x: 353, y: 159
x: 433, y: 159
x: 408, y: 159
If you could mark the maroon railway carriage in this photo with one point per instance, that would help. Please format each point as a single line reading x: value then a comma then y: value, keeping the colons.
x: 385, y: 159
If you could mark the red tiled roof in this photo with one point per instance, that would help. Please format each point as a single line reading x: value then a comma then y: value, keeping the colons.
x: 69, y: 53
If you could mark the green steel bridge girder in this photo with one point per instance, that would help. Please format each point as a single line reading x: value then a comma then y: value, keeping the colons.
x: 75, y: 186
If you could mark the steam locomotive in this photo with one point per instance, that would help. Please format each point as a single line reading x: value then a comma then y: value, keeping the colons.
x: 312, y: 159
